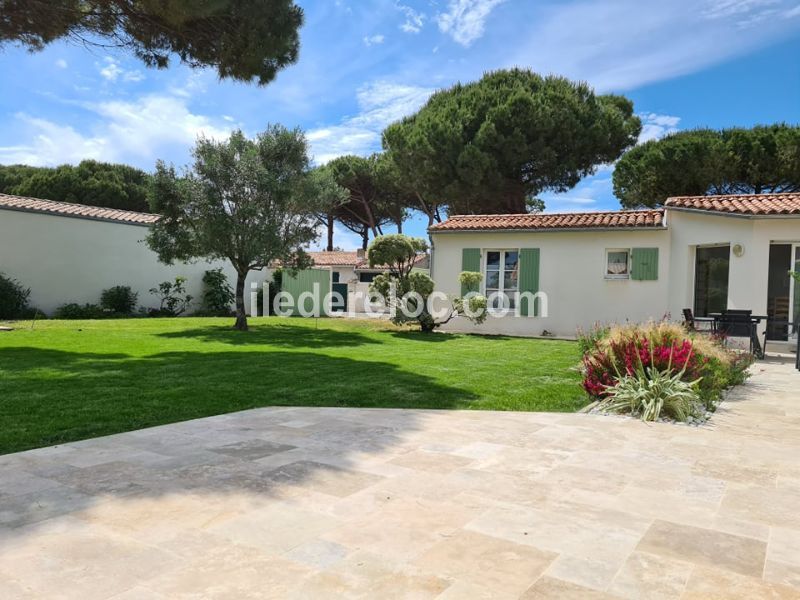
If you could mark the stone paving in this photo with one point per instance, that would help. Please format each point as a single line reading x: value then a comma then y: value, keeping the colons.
x: 324, y: 502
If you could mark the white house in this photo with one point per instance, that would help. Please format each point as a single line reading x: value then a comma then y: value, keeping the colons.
x: 69, y: 252
x: 705, y: 253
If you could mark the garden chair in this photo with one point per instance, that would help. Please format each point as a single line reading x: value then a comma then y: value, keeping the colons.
x: 691, y: 322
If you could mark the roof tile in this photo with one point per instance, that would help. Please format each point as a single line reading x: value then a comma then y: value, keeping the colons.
x: 68, y: 209
x: 335, y: 258
x: 586, y: 220
x: 741, y: 204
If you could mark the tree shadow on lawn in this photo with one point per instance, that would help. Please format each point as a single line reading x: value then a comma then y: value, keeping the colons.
x: 274, y: 335
x: 241, y: 459
x: 447, y: 336
x: 51, y: 396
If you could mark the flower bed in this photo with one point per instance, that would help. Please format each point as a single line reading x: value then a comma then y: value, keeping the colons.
x: 659, y: 368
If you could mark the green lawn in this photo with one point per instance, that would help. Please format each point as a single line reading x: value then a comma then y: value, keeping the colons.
x: 71, y: 380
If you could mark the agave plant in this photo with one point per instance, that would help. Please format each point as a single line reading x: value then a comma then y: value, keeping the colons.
x: 649, y: 391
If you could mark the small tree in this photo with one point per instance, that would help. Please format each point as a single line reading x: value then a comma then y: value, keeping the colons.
x: 250, y: 202
x: 409, y: 292
x: 172, y: 296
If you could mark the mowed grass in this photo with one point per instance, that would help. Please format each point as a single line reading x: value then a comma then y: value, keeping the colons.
x: 71, y: 380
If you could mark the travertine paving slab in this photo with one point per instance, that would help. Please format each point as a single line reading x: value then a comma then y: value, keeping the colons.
x: 369, y: 503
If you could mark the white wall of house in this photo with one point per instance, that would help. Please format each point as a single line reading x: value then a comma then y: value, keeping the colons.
x: 747, y: 275
x: 572, y: 268
x: 67, y: 259
x: 346, y: 274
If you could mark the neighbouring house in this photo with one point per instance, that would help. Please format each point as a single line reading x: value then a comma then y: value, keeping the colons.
x: 344, y: 271
x: 68, y: 252
x: 706, y: 253
x: 352, y: 266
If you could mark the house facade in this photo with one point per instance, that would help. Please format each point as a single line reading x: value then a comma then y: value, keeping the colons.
x: 705, y: 253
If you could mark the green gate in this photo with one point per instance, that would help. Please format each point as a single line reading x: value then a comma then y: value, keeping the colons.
x: 303, y: 283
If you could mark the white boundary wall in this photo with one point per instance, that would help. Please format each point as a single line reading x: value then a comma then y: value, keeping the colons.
x: 67, y: 259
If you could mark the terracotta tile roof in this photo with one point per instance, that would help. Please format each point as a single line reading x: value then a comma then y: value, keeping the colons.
x: 421, y: 262
x: 586, y: 220
x: 336, y: 258
x: 339, y: 258
x: 744, y: 204
x: 68, y: 209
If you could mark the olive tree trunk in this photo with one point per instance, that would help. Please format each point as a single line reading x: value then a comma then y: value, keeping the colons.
x: 241, y: 314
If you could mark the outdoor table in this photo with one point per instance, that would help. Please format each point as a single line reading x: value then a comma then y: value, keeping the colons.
x: 755, y: 320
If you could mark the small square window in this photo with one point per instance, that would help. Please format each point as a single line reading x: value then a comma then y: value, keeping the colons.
x: 618, y: 263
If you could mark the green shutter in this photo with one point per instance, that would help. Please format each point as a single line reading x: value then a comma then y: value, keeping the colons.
x: 644, y: 264
x: 470, y: 261
x: 528, y: 279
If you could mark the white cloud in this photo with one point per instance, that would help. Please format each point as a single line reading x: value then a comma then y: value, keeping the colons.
x: 628, y: 43
x: 111, y: 70
x: 53, y: 144
x: 745, y: 12
x: 655, y: 126
x: 465, y: 19
x: 141, y: 131
x: 414, y: 20
x: 61, y: 63
x: 374, y: 40
x: 379, y: 104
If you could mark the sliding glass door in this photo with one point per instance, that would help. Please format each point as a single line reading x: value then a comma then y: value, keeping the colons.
x: 794, y: 294
x: 711, y: 279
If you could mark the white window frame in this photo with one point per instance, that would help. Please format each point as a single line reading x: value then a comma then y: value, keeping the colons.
x: 623, y: 276
x: 501, y: 282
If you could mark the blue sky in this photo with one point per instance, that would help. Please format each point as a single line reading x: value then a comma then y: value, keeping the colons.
x: 365, y: 63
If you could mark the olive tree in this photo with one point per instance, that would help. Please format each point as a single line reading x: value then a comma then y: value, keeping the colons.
x: 247, y: 201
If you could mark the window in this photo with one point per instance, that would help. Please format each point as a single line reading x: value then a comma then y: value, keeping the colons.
x: 618, y: 263
x: 335, y: 277
x: 501, y: 278
x: 366, y: 277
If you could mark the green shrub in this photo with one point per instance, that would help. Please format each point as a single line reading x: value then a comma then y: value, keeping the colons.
x: 217, y: 294
x: 172, y: 297
x: 649, y: 392
x: 13, y: 298
x: 120, y: 300
x: 74, y: 310
x: 612, y: 353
